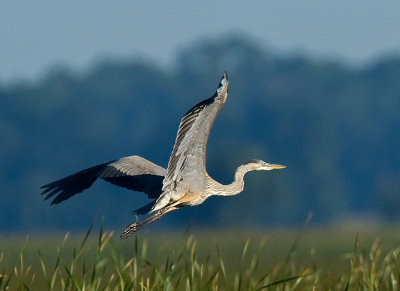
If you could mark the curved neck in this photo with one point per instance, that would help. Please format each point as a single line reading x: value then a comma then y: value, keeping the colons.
x: 215, y: 188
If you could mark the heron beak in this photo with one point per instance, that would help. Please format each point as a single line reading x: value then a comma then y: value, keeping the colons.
x: 276, y: 167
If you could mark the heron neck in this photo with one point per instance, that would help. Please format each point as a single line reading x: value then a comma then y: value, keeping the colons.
x: 215, y: 188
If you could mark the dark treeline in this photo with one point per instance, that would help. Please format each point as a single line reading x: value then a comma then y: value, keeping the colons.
x: 337, y: 129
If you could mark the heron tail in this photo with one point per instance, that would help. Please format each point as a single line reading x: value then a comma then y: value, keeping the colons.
x: 145, y: 209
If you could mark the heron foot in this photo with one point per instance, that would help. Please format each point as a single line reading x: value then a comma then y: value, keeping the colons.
x: 129, y: 230
x: 134, y: 227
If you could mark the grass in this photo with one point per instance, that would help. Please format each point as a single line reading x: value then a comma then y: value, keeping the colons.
x: 330, y: 259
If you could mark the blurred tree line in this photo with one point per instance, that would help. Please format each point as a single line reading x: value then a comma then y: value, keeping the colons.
x: 336, y: 128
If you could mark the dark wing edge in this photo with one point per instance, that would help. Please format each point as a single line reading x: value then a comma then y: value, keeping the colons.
x: 73, y: 184
x: 133, y: 173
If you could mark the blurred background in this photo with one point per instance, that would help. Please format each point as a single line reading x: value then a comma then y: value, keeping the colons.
x: 313, y: 85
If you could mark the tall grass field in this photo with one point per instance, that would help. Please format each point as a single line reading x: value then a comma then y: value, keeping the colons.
x: 318, y: 259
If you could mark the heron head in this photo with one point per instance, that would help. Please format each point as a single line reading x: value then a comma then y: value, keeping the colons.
x: 259, y: 165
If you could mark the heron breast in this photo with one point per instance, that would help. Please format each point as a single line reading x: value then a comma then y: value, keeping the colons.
x: 191, y: 198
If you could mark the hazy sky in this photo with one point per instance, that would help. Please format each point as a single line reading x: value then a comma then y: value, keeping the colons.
x: 34, y: 35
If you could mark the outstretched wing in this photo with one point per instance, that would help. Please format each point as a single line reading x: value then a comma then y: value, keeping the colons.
x: 133, y: 173
x: 187, y: 162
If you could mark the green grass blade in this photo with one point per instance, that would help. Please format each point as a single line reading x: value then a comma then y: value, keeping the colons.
x: 71, y: 277
x: 246, y: 246
x: 42, y: 264
x: 282, y: 281
x: 5, y: 287
x: 221, y: 263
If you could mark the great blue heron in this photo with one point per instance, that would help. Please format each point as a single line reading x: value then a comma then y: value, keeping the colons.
x: 185, y: 182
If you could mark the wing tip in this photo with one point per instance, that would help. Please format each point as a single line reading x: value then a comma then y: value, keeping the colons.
x: 224, y: 80
x: 223, y: 86
x: 225, y: 76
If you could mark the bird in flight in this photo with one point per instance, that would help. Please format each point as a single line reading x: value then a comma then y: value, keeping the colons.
x: 185, y: 182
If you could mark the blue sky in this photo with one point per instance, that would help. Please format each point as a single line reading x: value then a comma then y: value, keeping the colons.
x: 35, y: 35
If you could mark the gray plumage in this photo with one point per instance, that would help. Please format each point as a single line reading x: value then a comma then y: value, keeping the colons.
x: 185, y: 182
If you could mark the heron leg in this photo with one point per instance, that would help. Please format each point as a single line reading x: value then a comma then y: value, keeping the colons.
x: 134, y: 227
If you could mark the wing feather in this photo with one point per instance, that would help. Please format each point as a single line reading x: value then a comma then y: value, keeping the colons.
x: 133, y: 173
x: 187, y: 162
